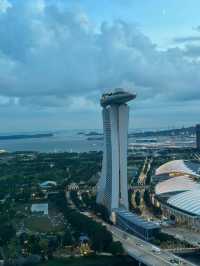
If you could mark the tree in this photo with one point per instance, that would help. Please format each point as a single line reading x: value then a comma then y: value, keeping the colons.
x: 137, y: 198
x: 147, y: 198
x: 6, y: 233
x: 43, y: 243
x: 130, y: 193
x: 100, y: 237
x: 103, y: 211
x: 116, y: 248
x: 34, y: 244
x: 67, y: 238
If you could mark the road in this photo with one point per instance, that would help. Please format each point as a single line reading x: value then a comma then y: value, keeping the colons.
x: 137, y: 248
x: 144, y: 251
x: 185, y: 234
x: 141, y: 250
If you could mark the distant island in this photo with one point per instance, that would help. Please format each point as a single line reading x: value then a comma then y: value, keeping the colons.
x: 93, y: 133
x: 95, y: 138
x: 26, y: 136
x: 90, y: 134
x: 185, y: 131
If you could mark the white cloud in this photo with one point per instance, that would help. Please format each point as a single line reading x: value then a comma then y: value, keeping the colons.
x: 51, y: 57
x: 4, y: 6
x: 4, y: 100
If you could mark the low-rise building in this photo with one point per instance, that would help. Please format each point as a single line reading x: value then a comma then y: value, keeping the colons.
x: 40, y: 208
x: 134, y: 224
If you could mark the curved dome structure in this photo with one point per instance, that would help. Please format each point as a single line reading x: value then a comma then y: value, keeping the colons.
x: 178, y: 192
x: 47, y: 184
x: 179, y: 167
x: 188, y: 201
x: 176, y: 184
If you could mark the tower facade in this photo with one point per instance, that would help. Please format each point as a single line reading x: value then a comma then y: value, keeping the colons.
x: 198, y: 136
x: 113, y: 186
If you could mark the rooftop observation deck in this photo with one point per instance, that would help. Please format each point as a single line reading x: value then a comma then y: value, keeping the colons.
x: 118, y: 96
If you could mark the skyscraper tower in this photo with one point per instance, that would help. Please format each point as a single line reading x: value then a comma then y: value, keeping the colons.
x: 113, y: 187
x: 198, y: 136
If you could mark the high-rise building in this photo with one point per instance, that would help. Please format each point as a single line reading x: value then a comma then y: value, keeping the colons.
x: 113, y: 186
x: 198, y: 136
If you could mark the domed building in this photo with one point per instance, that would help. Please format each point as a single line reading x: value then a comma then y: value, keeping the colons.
x: 177, y: 190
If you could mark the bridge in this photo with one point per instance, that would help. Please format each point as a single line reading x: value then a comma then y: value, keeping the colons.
x: 144, y: 252
x: 183, y: 250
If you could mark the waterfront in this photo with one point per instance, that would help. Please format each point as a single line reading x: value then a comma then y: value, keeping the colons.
x: 69, y: 141
x: 73, y: 141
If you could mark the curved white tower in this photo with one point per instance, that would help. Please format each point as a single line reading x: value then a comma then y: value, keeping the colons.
x: 112, y: 187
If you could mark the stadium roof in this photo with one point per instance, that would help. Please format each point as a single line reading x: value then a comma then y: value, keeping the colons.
x: 188, y: 201
x: 179, y: 166
x: 176, y: 184
x: 135, y: 219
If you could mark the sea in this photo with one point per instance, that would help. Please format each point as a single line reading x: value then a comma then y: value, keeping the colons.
x: 67, y: 141
x: 61, y: 141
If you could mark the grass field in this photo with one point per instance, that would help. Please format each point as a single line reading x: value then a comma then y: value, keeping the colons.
x: 42, y: 224
x: 92, y: 261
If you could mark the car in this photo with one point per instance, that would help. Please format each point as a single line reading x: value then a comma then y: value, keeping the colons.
x: 139, y: 244
x: 156, y: 250
x: 175, y: 261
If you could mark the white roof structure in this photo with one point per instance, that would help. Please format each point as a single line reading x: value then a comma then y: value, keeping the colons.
x: 180, y: 187
x: 176, y: 184
x: 73, y: 186
x: 48, y: 184
x: 188, y: 201
x: 40, y: 208
x: 177, y: 166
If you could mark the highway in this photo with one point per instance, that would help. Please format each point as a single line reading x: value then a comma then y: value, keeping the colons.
x: 183, y: 234
x: 141, y: 250
x: 144, y: 251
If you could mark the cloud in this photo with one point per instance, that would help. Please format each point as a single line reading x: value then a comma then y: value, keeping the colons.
x: 197, y: 28
x: 186, y: 39
x: 52, y: 57
x: 192, y: 51
x: 4, y: 6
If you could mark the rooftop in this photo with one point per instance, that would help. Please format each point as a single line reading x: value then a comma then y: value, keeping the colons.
x: 48, y: 183
x: 176, y: 184
x: 188, y: 201
x: 135, y: 219
x: 117, y: 96
x: 179, y: 166
x: 40, y: 207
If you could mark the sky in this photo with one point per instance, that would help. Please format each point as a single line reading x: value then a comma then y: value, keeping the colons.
x: 58, y: 56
